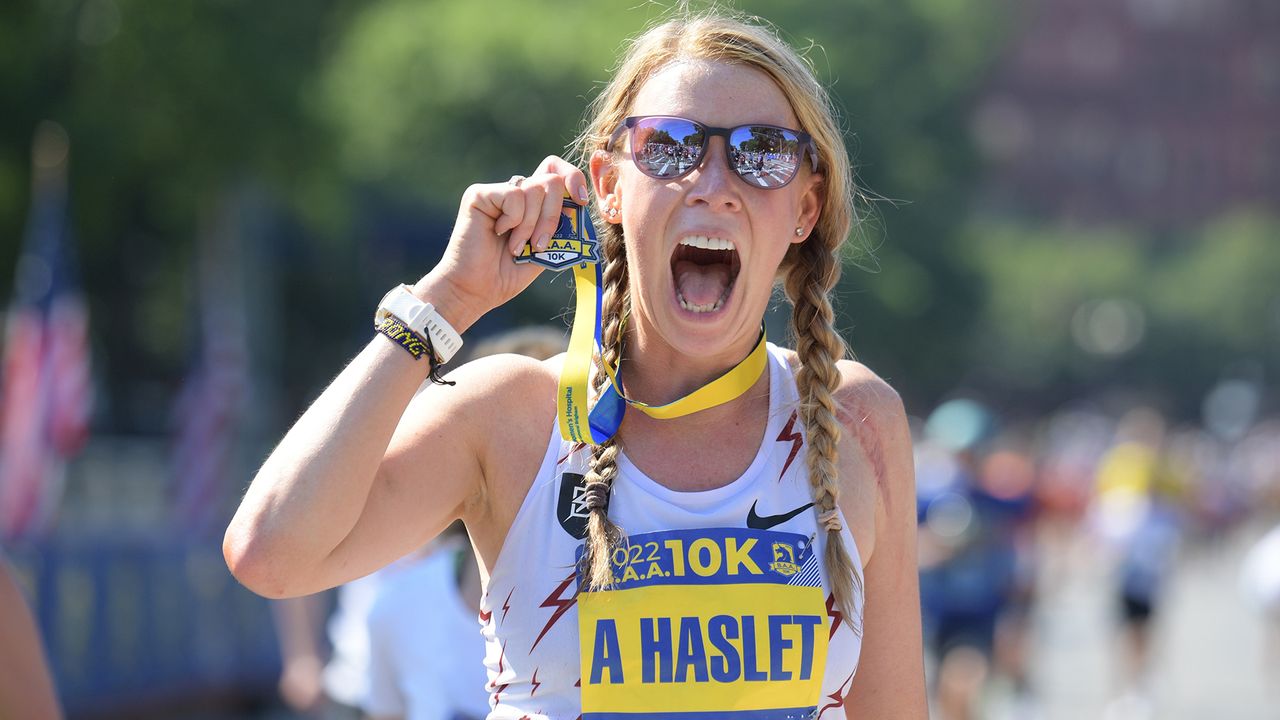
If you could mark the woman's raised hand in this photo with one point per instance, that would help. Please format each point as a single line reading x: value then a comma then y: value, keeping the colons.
x: 478, y: 272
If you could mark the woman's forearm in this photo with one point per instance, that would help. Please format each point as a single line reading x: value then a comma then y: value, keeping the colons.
x: 310, y: 492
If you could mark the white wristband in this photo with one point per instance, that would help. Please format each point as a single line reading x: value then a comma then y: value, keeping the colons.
x: 421, y: 318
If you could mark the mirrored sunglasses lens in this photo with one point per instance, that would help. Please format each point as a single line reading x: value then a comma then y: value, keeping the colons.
x: 666, y: 147
x: 766, y: 157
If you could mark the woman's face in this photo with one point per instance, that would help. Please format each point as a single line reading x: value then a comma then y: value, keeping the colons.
x: 703, y: 301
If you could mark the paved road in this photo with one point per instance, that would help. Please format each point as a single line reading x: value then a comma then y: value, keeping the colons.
x: 1208, y: 651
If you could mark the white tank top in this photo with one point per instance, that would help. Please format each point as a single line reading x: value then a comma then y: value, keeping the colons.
x: 722, y: 608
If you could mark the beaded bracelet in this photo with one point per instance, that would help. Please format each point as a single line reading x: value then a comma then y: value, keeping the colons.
x: 414, y: 344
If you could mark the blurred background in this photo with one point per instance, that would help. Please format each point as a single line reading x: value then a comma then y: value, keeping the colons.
x: 1070, y: 270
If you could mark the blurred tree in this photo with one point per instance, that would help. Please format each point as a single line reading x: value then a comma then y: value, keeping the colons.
x: 1083, y: 312
x: 1216, y: 309
x: 905, y: 72
x: 167, y: 105
x: 427, y: 100
x: 368, y: 119
x: 1036, y: 280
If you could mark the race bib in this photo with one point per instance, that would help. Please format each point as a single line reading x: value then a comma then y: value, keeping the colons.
x: 715, y: 622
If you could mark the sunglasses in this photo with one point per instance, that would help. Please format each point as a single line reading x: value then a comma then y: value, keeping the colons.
x: 765, y: 156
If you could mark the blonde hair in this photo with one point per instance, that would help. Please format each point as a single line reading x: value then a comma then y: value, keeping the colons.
x: 808, y: 271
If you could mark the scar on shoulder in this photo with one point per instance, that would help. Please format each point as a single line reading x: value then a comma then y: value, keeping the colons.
x: 853, y: 412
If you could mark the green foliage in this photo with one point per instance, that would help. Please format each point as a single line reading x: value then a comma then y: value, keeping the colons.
x: 408, y: 101
x: 1036, y: 279
x: 1225, y: 288
x: 167, y: 106
x: 428, y: 97
x: 1206, y: 302
x: 425, y: 100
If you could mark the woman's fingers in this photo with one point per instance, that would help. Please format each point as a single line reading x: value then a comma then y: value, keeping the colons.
x: 551, y: 211
x: 533, y: 193
x: 541, y: 200
x: 529, y: 209
x: 511, y: 208
x: 574, y: 181
x: 504, y: 216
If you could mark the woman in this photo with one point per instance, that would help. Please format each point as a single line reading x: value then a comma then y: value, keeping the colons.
x: 722, y: 570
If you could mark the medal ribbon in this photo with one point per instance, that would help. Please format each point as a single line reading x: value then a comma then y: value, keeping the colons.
x: 717, y: 392
x: 581, y: 421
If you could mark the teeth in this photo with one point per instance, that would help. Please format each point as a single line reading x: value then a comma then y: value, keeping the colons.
x: 706, y: 243
x: 712, y: 307
x: 709, y: 307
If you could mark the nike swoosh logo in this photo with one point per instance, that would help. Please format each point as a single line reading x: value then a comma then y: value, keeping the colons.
x: 758, y: 522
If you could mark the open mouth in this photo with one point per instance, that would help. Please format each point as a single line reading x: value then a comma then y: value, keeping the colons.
x: 704, y: 269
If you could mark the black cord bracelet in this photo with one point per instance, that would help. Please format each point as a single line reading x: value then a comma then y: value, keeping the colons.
x: 414, y: 344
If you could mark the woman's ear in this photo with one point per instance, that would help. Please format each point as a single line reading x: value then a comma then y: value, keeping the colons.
x: 604, y: 179
x: 810, y: 206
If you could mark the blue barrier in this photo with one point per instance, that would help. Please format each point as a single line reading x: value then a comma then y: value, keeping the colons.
x: 133, y: 621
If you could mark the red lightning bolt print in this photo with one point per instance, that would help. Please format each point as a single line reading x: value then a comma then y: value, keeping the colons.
x: 506, y: 605
x: 789, y: 434
x: 535, y: 683
x: 572, y: 450
x: 501, y: 654
x: 836, y: 616
x: 485, y: 617
x: 838, y: 697
x: 560, y: 604
x: 499, y: 688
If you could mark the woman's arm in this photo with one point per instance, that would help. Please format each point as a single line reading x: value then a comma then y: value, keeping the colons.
x: 325, y: 508
x: 312, y: 489
x: 889, y: 682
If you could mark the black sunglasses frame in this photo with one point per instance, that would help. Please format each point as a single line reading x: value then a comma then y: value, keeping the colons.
x: 803, y: 139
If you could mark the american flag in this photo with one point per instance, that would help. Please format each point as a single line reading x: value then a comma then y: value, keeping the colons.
x: 47, y: 392
x: 209, y: 409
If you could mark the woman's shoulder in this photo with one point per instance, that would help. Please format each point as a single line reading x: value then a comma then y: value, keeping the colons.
x: 861, y: 395
x: 876, y: 438
x: 496, y: 376
x: 501, y: 400
x: 862, y: 389
x: 507, y: 405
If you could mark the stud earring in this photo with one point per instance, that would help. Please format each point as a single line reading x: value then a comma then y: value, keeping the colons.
x: 612, y: 213
x: 799, y: 231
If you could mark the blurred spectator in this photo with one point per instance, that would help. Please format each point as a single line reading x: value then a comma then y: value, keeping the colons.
x: 315, y: 678
x: 1138, y: 512
x: 426, y: 658
x: 1260, y: 582
x: 1008, y: 474
x: 970, y: 582
x: 26, y: 689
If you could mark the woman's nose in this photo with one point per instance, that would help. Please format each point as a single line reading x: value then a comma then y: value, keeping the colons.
x: 713, y: 182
